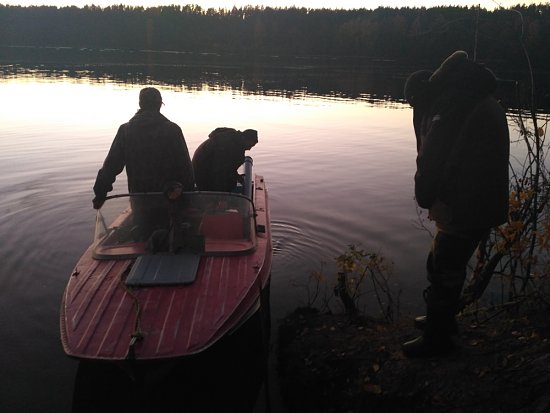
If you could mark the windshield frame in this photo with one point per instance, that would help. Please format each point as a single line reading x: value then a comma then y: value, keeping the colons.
x: 199, y: 222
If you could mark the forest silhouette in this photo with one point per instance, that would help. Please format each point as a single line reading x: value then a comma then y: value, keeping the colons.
x: 341, y: 53
x: 406, y: 36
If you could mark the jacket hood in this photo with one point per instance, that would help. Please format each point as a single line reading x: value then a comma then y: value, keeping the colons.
x: 226, y: 137
x: 417, y: 88
x: 459, y: 73
x: 222, y: 134
x: 234, y: 138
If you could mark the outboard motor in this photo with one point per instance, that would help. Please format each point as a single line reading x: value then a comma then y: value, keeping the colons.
x: 247, y: 187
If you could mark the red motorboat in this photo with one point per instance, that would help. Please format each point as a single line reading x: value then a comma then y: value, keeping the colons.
x: 169, y: 276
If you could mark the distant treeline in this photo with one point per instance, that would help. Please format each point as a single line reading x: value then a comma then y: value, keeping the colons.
x: 405, y: 35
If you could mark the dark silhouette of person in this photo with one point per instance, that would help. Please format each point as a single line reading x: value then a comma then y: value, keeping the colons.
x: 152, y: 148
x: 419, y: 95
x: 217, y: 159
x: 461, y: 178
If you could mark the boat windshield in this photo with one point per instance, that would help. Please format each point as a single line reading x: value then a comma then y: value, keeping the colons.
x: 212, y: 223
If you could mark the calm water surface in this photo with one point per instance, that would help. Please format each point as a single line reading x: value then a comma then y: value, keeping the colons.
x: 338, y: 172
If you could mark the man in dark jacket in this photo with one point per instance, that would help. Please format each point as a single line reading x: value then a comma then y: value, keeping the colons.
x: 152, y: 149
x: 216, y: 160
x: 462, y: 178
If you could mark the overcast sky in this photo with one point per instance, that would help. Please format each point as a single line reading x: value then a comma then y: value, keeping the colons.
x: 332, y: 4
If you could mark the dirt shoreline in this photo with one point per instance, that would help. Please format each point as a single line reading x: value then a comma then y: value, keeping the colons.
x: 332, y: 363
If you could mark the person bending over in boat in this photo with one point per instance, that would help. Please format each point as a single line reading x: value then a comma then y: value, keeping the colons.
x: 217, y: 160
x: 461, y: 177
x: 152, y: 149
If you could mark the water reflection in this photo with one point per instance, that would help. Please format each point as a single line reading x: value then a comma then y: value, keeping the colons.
x: 294, y: 77
x: 290, y: 77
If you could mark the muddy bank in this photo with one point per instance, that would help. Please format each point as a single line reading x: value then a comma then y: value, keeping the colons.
x: 331, y: 363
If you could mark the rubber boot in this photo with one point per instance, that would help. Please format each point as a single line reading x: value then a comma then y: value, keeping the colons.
x: 433, y: 342
x: 436, y: 339
x: 421, y: 320
x: 428, y: 346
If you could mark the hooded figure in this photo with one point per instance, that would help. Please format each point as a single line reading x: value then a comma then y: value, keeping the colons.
x: 217, y: 160
x: 152, y: 149
x: 462, y: 163
x: 462, y: 178
x: 418, y: 94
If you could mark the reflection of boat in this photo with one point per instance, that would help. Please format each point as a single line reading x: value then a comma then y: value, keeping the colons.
x: 169, y: 277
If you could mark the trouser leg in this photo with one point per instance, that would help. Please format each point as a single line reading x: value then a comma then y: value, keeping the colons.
x: 446, y: 269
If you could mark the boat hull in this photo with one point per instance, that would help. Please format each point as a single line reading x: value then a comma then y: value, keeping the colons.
x: 233, y: 370
x: 102, y: 318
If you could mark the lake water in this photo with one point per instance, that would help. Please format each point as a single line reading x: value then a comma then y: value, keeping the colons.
x: 339, y: 171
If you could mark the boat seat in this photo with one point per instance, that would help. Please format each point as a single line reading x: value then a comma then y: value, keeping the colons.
x: 226, y: 225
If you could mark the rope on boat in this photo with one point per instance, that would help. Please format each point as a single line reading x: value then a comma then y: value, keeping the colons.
x: 137, y: 334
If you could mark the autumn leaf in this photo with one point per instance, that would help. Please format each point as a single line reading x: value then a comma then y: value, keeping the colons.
x: 372, y: 388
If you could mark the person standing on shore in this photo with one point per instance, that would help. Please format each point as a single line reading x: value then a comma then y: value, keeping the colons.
x: 461, y: 178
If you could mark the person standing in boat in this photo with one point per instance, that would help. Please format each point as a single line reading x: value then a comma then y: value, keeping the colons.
x: 217, y: 160
x: 461, y: 178
x: 151, y: 147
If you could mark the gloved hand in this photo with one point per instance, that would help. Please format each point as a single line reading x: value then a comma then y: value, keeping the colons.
x: 173, y: 190
x: 98, y: 201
